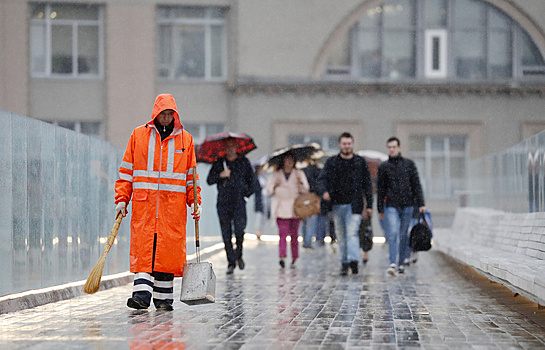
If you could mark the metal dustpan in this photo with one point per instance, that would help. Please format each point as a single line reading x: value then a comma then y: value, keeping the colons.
x: 199, y: 280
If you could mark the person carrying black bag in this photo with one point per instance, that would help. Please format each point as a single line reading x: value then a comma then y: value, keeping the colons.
x: 398, y: 189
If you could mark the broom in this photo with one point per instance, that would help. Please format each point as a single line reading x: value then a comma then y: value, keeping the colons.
x: 93, y: 281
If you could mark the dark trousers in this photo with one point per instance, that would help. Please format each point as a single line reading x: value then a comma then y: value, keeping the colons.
x: 232, y: 220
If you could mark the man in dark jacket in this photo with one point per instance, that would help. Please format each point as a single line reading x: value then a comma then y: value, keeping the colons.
x: 398, y: 190
x: 345, y: 179
x: 235, y: 180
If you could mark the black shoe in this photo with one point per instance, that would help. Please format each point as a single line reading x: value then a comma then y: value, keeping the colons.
x: 344, y: 269
x: 282, y: 263
x: 164, y: 306
x: 365, y: 261
x: 230, y: 270
x: 136, y: 303
x: 354, y: 267
x: 241, y: 264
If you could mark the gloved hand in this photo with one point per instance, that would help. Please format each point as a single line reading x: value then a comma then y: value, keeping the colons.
x: 121, y: 207
x: 196, y: 214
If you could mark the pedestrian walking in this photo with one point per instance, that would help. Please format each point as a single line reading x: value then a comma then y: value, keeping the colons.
x: 262, y: 204
x: 235, y: 180
x: 285, y: 184
x: 310, y: 224
x: 398, y: 191
x: 346, y: 180
x: 157, y: 174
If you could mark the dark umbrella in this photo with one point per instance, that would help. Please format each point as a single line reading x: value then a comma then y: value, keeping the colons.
x: 300, y: 152
x: 211, y: 149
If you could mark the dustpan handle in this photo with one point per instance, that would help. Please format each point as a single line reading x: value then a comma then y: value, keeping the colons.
x: 195, y: 204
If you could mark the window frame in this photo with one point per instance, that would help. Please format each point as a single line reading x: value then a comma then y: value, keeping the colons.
x: 207, y: 22
x: 47, y: 22
x: 325, y: 140
x: 78, y: 124
x: 202, y: 133
x: 446, y: 154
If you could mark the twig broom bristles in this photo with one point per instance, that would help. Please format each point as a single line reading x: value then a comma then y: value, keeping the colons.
x: 93, y: 281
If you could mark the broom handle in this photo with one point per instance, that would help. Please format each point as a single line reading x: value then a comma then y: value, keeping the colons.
x: 195, y: 204
x: 113, y: 233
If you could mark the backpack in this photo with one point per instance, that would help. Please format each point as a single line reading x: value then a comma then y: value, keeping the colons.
x: 420, y: 238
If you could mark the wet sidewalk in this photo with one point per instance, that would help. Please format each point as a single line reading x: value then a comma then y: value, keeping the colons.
x: 437, y: 304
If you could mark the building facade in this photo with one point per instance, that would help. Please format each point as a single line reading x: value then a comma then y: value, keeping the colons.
x: 453, y: 79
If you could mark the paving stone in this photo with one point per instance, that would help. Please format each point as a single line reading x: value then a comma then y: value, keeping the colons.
x: 437, y: 304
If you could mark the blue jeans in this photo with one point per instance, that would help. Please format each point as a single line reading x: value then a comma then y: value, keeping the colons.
x: 346, y: 229
x: 397, y: 222
x: 309, y: 227
x: 322, y: 222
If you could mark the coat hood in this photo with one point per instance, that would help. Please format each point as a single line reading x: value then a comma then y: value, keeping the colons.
x: 163, y: 102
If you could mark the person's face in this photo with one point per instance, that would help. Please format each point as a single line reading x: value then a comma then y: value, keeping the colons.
x: 165, y: 117
x: 346, y: 144
x: 393, y: 148
x: 289, y: 163
x: 230, y: 147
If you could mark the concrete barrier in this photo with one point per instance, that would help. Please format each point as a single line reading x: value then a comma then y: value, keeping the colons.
x: 507, y: 248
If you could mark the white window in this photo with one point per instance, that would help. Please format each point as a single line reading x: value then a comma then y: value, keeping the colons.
x: 435, y: 51
x: 192, y: 43
x: 66, y: 40
x: 87, y: 128
x: 329, y: 143
x: 200, y: 131
x: 441, y: 161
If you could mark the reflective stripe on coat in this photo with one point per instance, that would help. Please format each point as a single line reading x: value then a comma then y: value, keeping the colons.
x: 158, y: 176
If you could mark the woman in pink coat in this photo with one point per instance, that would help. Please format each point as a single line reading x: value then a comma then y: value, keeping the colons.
x: 285, y: 184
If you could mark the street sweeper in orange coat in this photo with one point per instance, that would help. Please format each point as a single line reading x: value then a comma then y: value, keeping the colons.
x: 157, y: 174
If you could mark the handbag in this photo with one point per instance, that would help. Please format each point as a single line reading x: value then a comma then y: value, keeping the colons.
x: 420, y: 237
x: 366, y: 235
x: 306, y: 205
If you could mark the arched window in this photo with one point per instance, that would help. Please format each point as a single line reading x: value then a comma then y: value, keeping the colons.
x: 454, y: 40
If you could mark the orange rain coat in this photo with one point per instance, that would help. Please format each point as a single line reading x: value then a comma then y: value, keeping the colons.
x: 159, y: 178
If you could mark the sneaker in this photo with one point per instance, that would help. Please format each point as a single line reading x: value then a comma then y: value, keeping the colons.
x: 401, y: 269
x: 164, y: 306
x: 407, y: 262
x: 344, y: 269
x: 392, y: 270
x: 414, y: 257
x: 241, y: 264
x: 136, y: 303
x: 230, y: 270
x: 354, y: 267
x: 282, y: 263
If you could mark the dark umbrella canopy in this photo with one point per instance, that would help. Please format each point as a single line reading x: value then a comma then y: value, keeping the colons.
x: 211, y: 149
x: 300, y: 152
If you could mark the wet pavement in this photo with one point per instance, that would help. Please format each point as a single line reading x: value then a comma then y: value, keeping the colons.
x: 437, y: 304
